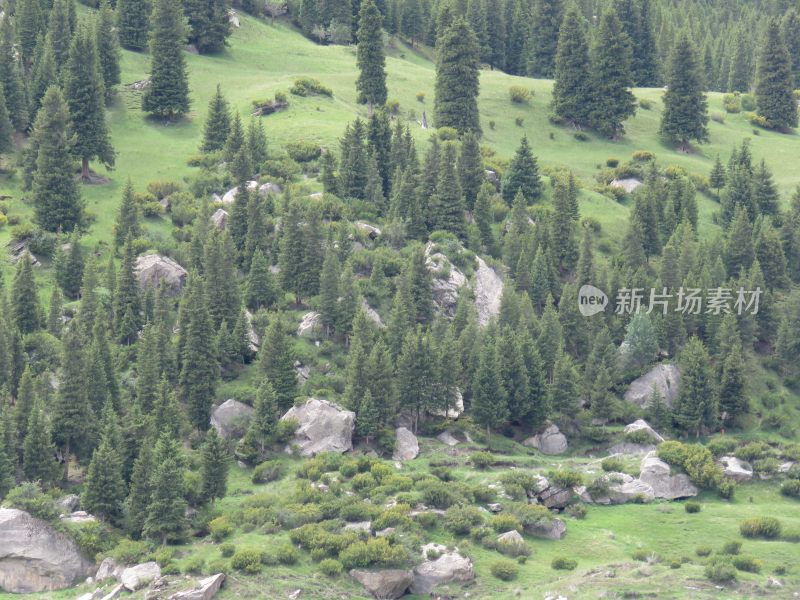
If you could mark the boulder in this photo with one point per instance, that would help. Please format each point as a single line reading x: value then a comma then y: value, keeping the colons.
x: 371, y: 231
x: 657, y: 474
x: 511, y: 538
x: 269, y: 188
x: 447, y: 438
x: 623, y: 488
x: 549, y: 529
x: 310, y: 326
x: 665, y: 377
x: 323, y: 427
x: 372, y: 314
x: 407, y: 446
x: 554, y: 497
x: 154, y: 269
x: 736, y: 469
x: 108, y: 569
x: 70, y: 503
x: 642, y: 425
x: 233, y: 18
x: 205, y: 590
x: 388, y: 584
x: 447, y: 280
x: 78, y: 517
x: 488, y: 292
x: 34, y: 557
x: 550, y: 441
x: 629, y: 184
x: 231, y: 418
x: 491, y: 177
x: 135, y: 578
x: 220, y: 218
x: 230, y: 195
x: 447, y: 567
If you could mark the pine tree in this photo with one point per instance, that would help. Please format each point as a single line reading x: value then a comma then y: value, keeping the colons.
x: 564, y: 391
x: 774, y: 84
x: 563, y: 229
x: 415, y: 371
x: 276, y: 363
x: 6, y: 128
x: 739, y: 252
x: 411, y: 24
x: 601, y: 399
x: 11, y: 77
x: 256, y: 144
x: 522, y: 175
x: 264, y: 421
x: 42, y: 76
x: 28, y: 24
x: 214, y: 467
x: 732, y: 393
x: 167, y: 95
x: 56, y: 197
x: 470, y: 168
x: 261, y: 290
x: 104, y: 489
x: 127, y: 223
x: 640, y: 346
x: 353, y: 165
x: 489, y: 401
x: 25, y: 401
x: 69, y: 267
x: 84, y: 92
x: 370, y: 58
x: 25, y: 310
x: 740, y: 73
x: 127, y: 305
x: 613, y: 101
x: 716, y: 178
x: 695, y: 406
x: 420, y: 285
x: 209, y: 25
x: 572, y: 88
x: 457, y: 84
x: 8, y: 457
x: 38, y: 451
x: 133, y: 23
x: 107, y: 47
x: 496, y: 31
x: 166, y: 511
x: 448, y: 204
x: 545, y: 22
x: 483, y: 218
x: 658, y: 412
x: 685, y: 116
x: 141, y: 490
x: 368, y: 418
x: 790, y: 32
x: 645, y: 59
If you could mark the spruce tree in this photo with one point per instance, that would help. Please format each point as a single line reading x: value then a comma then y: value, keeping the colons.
x: 685, y: 116
x: 565, y: 242
x: 415, y: 371
x: 545, y: 22
x: 790, y: 31
x: 572, y: 87
x: 25, y: 310
x: 26, y: 398
x: 370, y: 57
x: 166, y: 511
x: 368, y: 418
x: 104, y: 489
x: 522, y: 174
x: 127, y: 223
x: 42, y: 77
x: 261, y: 289
x: 264, y: 421
x: 209, y: 25
x: 133, y: 23
x: 732, y: 392
x: 69, y: 267
x: 659, y: 414
x: 56, y: 197
x: 613, y: 101
x: 774, y: 82
x: 276, y: 363
x: 214, y: 465
x: 489, y: 401
x: 695, y: 406
x: 8, y: 457
x: 470, y: 168
x: 448, y: 204
x: 457, y: 78
x: 645, y: 59
x: 564, y: 391
x: 11, y: 77
x: 716, y: 178
x: 167, y: 95
x: 6, y: 128
x: 141, y: 490
x: 38, y: 451
x: 483, y: 218
x: 85, y: 95
x: 107, y: 47
x: 28, y: 24
x: 127, y: 303
x: 256, y: 144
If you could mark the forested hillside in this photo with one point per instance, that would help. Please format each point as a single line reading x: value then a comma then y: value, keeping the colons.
x: 463, y: 298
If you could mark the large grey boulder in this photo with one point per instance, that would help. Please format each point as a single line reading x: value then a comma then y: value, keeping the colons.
x: 407, y: 446
x: 488, y: 292
x: 665, y: 377
x: 512, y: 539
x: 549, y: 529
x: 310, y: 326
x: 388, y: 584
x: 323, y: 427
x: 550, y: 441
x: 220, y: 219
x: 34, y: 557
x: 153, y: 270
x: 206, y: 589
x: 231, y: 419
x: 736, y: 469
x: 623, y: 488
x: 447, y: 280
x: 108, y: 570
x: 642, y: 425
x: 136, y: 577
x: 445, y: 568
x: 657, y: 474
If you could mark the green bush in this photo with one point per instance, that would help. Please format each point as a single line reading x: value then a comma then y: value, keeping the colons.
x: 28, y: 496
x: 303, y: 151
x: 427, y: 520
x: 731, y: 548
x: 519, y: 94
x: 760, y: 527
x: 269, y: 471
x: 447, y: 134
x: 505, y: 522
x: 286, y: 554
x: 753, y: 451
x: 645, y: 104
x: 194, y: 565
x: 220, y: 528
x: 565, y: 478
x: 643, y: 156
x: 331, y: 567
x: 353, y: 512
x: 613, y: 163
x: 504, y: 569
x: 164, y: 555
x: 482, y: 460
x: 643, y: 555
x: 747, y: 563
x: 692, y: 507
x: 393, y: 517
x: 460, y: 519
x: 420, y: 96
x: 247, y: 560
x: 791, y: 488
x: 721, y: 445
x: 561, y: 563
x: 375, y: 551
x: 732, y: 102
x: 720, y: 570
x: 612, y: 464
x: 703, y: 551
x: 438, y: 494
x: 93, y: 537
x: 308, y: 86
x: 227, y: 550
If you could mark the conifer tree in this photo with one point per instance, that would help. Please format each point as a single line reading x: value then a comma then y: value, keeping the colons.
x: 371, y: 60
x: 645, y: 59
x: 457, y: 63
x: 6, y: 128
x: 695, y: 406
x: 564, y: 391
x: 353, y: 165
x: 732, y: 393
x: 566, y: 244
x: 69, y: 267
x: 415, y: 373
x: 658, y: 413
x: 368, y: 418
x: 496, y: 31
x: 166, y: 511
x: 26, y: 398
x: 264, y: 421
x: 256, y: 144
x: 545, y: 22
x: 25, y: 310
x: 214, y: 467
x: 739, y: 252
x: 209, y: 25
x: 84, y: 92
x: 572, y: 88
x: 261, y: 289
x: 489, y: 399
x: 38, y: 449
x: 483, y: 218
x: 11, y: 77
x: 133, y: 23
x: 28, y: 24
x: 447, y: 206
x: 276, y: 362
x: 739, y: 75
x: 685, y: 116
x: 107, y: 47
x: 790, y: 32
x: 127, y: 223
x: 774, y: 83
x: 8, y: 458
x: 104, y: 489
x: 522, y: 174
x: 42, y: 76
x: 470, y: 168
x: 716, y: 178
x: 56, y: 197
x: 141, y: 490
x: 613, y: 101
x: 127, y: 305
x: 167, y: 95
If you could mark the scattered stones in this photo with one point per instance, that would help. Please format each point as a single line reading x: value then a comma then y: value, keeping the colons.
x: 656, y: 473
x: 154, y: 269
x: 231, y: 418
x: 550, y: 441
x: 488, y: 292
x: 495, y: 507
x: 491, y: 177
x: 388, y: 584
x: 736, y: 469
x: 205, y: 590
x: 323, y: 427
x: 34, y: 557
x: 135, y: 578
x: 310, y: 326
x: 666, y: 378
x: 447, y: 567
x: 295, y: 594
x: 642, y: 425
x: 407, y: 446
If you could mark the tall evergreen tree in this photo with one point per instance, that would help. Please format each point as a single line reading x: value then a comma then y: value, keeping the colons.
x: 38, y: 451
x: 107, y: 47
x: 262, y: 425
x: 127, y: 305
x: 695, y: 406
x: 133, y: 23
x: 209, y: 25
x: 141, y: 490
x: 774, y: 82
x: 489, y: 400
x: 25, y: 309
x: 6, y: 128
x: 470, y: 168
x: 104, y: 489
x: 447, y: 206
x: 572, y: 88
x: 276, y: 362
x: 545, y: 23
x: 457, y: 78
x: 127, y: 223
x: 371, y: 60
x: 685, y: 116
x: 168, y: 93
x: 522, y: 174
x: 11, y: 77
x: 645, y: 59
x: 214, y: 467
x: 166, y: 511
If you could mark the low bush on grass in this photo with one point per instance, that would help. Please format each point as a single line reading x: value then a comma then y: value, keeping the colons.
x: 692, y: 507
x: 331, y: 567
x: 720, y: 570
x: 504, y: 569
x: 460, y: 519
x: 747, y: 564
x: 703, y: 551
x: 760, y: 527
x: 731, y: 548
x: 482, y: 460
x: 561, y: 563
x: 247, y: 560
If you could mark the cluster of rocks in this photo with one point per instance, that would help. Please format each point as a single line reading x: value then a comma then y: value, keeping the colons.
x: 137, y: 577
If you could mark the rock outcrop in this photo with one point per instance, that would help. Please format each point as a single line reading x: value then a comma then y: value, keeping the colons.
x: 154, y: 269
x: 136, y: 577
x: 407, y: 446
x: 220, y: 218
x: 323, y: 427
x: 388, y: 584
x: 310, y: 326
x: 511, y: 539
x: 206, y: 589
x: 445, y: 568
x: 231, y: 419
x: 447, y: 280
x: 657, y: 474
x: 642, y: 425
x: 550, y: 441
x: 549, y: 529
x: 736, y: 469
x: 623, y: 488
x: 34, y: 557
x: 488, y: 292
x: 665, y: 377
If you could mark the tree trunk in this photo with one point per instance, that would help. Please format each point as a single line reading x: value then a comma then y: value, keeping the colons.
x: 66, y: 461
x: 85, y: 169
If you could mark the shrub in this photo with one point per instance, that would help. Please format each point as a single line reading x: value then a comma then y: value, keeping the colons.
x: 247, y: 560
x: 272, y: 470
x: 612, y: 163
x: 504, y: 569
x: 748, y: 102
x: 519, y: 94
x: 363, y: 482
x: 438, y: 494
x: 420, y: 96
x: 717, y: 118
x: 645, y: 104
x: 375, y: 551
x: 506, y: 522
x: 645, y: 555
x: 331, y: 567
x: 354, y: 512
x: 561, y: 563
x: 565, y: 478
x: 731, y: 548
x: 581, y: 136
x: 162, y: 189
x: 519, y: 121
x: 720, y: 570
x: 460, y: 519
x: 640, y: 436
x: 3, y: 220
x: 427, y: 520
x: 482, y: 460
x: 196, y: 564
x: 721, y: 445
x: 393, y: 517
x: 28, y: 496
x: 703, y: 551
x: 747, y: 563
x: 577, y: 511
x: 227, y: 550
x: 753, y: 451
x: 792, y: 536
x: 393, y: 106
x: 308, y: 86
x: 220, y: 528
x: 286, y: 554
x: 303, y: 151
x: 93, y: 537
x: 447, y: 134
x: 760, y: 527
x: 791, y: 488
x: 732, y: 102
x: 612, y: 464
x: 692, y: 507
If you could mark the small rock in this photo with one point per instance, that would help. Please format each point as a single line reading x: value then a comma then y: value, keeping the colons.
x: 205, y: 590
x: 447, y: 438
x: 642, y: 425
x: 495, y: 507
x: 108, y: 569
x: 736, y: 469
x: 135, y: 578
x: 511, y: 538
x: 550, y: 441
x: 295, y: 594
